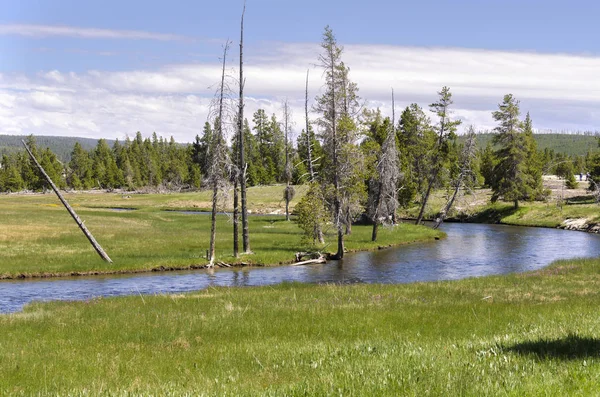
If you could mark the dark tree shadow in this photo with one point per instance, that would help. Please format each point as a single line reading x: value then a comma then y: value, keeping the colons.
x: 493, y: 215
x: 581, y: 200
x: 571, y: 347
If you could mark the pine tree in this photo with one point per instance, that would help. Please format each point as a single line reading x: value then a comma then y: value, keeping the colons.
x: 80, y: 167
x: 487, y: 164
x: 510, y: 179
x: 416, y: 140
x: 338, y: 107
x: 533, y: 163
x: 446, y: 133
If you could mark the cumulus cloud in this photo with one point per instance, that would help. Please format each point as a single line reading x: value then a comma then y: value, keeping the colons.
x: 560, y: 90
x: 30, y: 30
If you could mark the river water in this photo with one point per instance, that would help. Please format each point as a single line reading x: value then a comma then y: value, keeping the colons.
x: 470, y: 250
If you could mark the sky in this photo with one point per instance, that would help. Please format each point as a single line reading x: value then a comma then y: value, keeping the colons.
x: 106, y: 69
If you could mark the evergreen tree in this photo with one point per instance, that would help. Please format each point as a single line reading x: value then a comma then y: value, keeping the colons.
x: 80, y: 168
x: 446, y: 133
x: 488, y: 163
x: 511, y: 179
x: 53, y: 167
x: 338, y: 107
x: 533, y: 163
x: 416, y: 140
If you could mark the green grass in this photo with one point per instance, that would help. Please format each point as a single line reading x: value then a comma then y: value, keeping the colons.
x: 38, y: 237
x: 516, y: 335
x: 537, y: 214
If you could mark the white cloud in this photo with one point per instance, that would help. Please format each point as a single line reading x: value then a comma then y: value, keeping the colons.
x: 30, y: 30
x: 560, y: 90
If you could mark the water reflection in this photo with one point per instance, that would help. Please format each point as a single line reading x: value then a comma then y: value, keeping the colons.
x: 470, y: 250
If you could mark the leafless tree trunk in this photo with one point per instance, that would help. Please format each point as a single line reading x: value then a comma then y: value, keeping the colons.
x: 289, y: 190
x: 216, y: 169
x: 236, y: 233
x: 79, y: 222
x: 395, y: 190
x: 336, y: 178
x: 467, y: 156
x: 242, y: 161
x: 311, y: 169
x: 388, y: 174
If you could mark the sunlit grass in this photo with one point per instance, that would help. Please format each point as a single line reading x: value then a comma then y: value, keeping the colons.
x: 524, y: 334
x: 37, y: 236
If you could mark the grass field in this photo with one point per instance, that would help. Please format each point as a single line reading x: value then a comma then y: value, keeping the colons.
x: 38, y: 237
x: 516, y: 335
x: 562, y: 204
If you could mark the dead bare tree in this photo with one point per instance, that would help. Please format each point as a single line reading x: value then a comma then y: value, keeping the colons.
x: 394, y: 198
x: 388, y: 174
x: 311, y: 169
x: 289, y: 191
x: 71, y: 211
x: 219, y: 159
x: 242, y: 162
x: 467, y: 156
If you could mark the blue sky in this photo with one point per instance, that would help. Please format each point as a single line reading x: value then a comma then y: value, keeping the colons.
x: 110, y: 68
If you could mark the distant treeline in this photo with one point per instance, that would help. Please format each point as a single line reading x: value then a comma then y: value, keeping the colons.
x: 156, y: 162
x: 61, y: 146
x: 572, y: 144
x: 151, y: 162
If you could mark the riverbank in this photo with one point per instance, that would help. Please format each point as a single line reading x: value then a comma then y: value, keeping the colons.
x: 569, y: 209
x: 521, y: 334
x: 39, y: 239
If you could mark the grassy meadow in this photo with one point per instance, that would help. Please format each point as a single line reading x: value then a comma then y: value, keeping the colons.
x: 522, y: 334
x: 38, y: 237
x: 475, y: 206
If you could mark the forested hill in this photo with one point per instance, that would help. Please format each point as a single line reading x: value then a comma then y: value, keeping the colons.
x: 60, y: 145
x: 569, y: 144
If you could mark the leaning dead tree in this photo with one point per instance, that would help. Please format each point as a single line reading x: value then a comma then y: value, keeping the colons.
x: 219, y: 164
x: 241, y: 161
x: 465, y: 172
x: 79, y: 222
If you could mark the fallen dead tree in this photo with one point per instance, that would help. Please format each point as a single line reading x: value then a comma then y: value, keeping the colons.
x: 314, y: 257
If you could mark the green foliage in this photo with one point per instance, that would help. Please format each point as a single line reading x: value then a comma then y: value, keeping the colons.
x: 487, y: 164
x: 311, y: 214
x: 517, y: 174
x: 594, y: 171
x: 416, y: 140
x: 572, y: 144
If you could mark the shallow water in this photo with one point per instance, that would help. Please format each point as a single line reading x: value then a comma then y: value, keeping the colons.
x: 470, y: 250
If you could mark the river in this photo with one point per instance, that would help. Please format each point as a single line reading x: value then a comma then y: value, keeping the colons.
x: 470, y: 250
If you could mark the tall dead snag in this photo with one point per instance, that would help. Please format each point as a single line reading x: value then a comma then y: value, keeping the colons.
x: 218, y: 158
x: 236, y: 210
x: 388, y: 175
x: 79, y: 222
x: 289, y: 191
x: 394, y: 198
x: 465, y: 172
x: 242, y: 162
x: 311, y: 169
x: 446, y: 132
x: 318, y: 232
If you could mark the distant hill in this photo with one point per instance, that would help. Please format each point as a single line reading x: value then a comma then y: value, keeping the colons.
x: 60, y: 145
x: 570, y: 144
